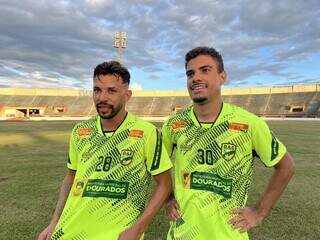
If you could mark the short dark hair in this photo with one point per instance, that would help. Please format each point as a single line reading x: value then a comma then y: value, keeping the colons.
x: 205, y: 51
x: 112, y: 68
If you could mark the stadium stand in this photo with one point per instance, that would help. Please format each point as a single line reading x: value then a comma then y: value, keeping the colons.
x: 286, y: 101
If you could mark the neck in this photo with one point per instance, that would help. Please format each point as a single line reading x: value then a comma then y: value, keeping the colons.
x: 112, y: 124
x: 207, y: 112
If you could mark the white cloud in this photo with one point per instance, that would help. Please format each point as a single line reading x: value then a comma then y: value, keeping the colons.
x: 66, y: 39
x: 99, y: 3
x: 135, y: 86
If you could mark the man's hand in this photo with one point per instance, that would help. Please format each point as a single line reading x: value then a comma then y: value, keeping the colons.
x: 132, y: 233
x: 245, y: 218
x: 47, y: 232
x: 172, y: 209
x: 63, y: 195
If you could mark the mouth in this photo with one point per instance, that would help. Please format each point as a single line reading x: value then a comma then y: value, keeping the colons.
x: 103, y: 107
x: 198, y: 87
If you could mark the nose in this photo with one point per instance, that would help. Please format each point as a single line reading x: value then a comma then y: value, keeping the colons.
x: 196, y: 77
x: 103, y: 96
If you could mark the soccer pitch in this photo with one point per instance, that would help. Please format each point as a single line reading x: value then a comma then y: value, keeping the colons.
x: 33, y: 163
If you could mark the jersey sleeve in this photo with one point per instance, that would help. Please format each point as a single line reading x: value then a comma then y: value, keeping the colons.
x: 266, y: 145
x: 158, y: 160
x: 73, y: 154
x: 167, y: 138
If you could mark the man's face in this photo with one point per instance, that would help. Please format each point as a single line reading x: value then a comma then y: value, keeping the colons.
x: 110, y: 95
x: 203, y: 79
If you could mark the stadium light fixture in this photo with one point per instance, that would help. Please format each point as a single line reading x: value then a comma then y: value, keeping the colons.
x: 120, y: 42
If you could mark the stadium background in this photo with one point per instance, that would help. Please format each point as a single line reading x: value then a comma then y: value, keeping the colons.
x: 286, y: 101
x: 33, y: 153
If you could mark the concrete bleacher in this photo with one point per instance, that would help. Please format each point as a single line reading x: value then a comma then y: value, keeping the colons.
x: 280, y: 103
x: 287, y: 101
x: 81, y: 106
x: 140, y: 105
x: 255, y: 103
x: 19, y: 101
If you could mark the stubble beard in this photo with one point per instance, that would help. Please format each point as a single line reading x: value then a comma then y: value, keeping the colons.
x: 114, y: 111
x: 200, y: 100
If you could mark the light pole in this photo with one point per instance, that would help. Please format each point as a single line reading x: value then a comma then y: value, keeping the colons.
x: 120, y: 42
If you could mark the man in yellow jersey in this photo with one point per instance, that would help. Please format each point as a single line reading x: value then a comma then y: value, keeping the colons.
x: 111, y: 159
x: 215, y: 147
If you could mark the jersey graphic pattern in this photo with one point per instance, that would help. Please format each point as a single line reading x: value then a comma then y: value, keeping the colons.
x: 108, y: 164
x: 214, y: 171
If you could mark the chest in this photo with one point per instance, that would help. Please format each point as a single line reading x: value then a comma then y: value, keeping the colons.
x: 200, y: 148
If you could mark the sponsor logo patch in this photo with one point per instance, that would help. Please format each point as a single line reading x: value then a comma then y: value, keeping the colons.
x: 274, y: 147
x: 106, y: 188
x: 228, y: 151
x: 136, y: 133
x: 85, y: 156
x: 187, y: 145
x: 238, y: 127
x: 178, y: 124
x: 126, y: 157
x: 82, y: 132
x: 211, y: 182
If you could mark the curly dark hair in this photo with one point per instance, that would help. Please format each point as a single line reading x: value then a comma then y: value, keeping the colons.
x: 205, y: 51
x: 112, y: 68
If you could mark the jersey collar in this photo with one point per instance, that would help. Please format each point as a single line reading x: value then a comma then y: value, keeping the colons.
x: 129, y: 116
x: 195, y: 120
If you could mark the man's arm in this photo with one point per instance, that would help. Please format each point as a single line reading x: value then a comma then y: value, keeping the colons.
x: 159, y: 196
x: 63, y: 195
x: 247, y: 218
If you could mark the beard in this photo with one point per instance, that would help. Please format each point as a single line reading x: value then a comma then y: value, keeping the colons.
x: 200, y: 100
x: 108, y: 115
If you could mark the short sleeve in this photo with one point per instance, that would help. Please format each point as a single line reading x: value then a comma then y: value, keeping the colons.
x: 266, y: 145
x: 158, y: 160
x: 73, y: 154
x: 167, y: 138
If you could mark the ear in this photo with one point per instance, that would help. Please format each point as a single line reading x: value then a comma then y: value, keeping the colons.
x: 223, y: 77
x: 128, y: 94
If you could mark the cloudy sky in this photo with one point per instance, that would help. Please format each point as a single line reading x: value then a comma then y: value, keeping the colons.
x: 57, y: 43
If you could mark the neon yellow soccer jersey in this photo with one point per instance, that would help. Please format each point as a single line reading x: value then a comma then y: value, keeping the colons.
x: 112, y: 180
x: 213, y: 166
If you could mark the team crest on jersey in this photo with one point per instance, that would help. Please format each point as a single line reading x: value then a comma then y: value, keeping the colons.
x: 178, y: 125
x: 238, y: 127
x: 82, y: 132
x: 136, y: 133
x: 228, y: 151
x: 126, y: 157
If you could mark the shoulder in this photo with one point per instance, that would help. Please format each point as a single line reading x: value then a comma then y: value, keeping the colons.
x: 141, y: 126
x: 178, y: 118
x: 241, y: 118
x: 85, y: 127
x: 242, y: 114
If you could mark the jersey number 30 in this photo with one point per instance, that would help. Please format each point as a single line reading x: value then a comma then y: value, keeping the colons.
x: 205, y: 157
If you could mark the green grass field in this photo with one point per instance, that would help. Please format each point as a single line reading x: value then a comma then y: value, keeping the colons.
x: 33, y: 163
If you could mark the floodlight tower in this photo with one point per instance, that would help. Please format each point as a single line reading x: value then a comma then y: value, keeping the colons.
x: 120, y: 42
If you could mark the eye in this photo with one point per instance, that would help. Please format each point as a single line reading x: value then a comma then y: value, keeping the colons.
x: 189, y: 74
x: 96, y: 90
x: 113, y: 90
x: 205, y: 70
